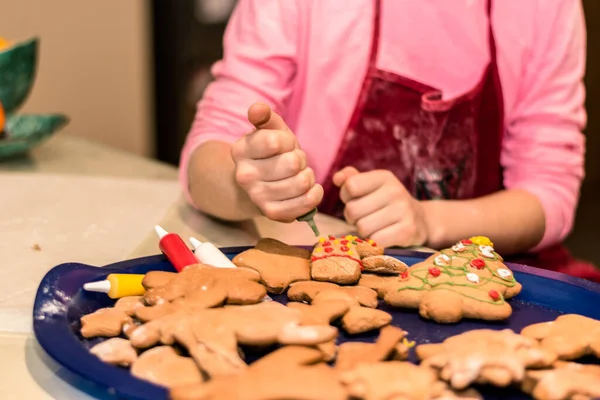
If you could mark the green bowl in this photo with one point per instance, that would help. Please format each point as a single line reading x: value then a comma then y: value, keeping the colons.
x: 18, y: 65
x: 25, y: 131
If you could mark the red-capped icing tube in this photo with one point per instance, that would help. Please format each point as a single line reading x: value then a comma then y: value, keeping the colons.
x: 175, y: 249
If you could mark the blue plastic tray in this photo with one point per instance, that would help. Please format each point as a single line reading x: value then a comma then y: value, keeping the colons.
x: 60, y: 302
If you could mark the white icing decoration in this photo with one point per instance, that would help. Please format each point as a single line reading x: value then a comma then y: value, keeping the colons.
x: 473, y: 277
x: 504, y: 273
x: 487, y: 251
x: 458, y: 247
x: 442, y: 259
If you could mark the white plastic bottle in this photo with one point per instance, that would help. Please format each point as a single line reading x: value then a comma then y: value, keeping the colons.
x: 208, y: 253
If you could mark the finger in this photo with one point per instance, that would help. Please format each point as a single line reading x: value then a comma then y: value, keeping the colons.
x: 272, y: 169
x: 265, y: 143
x: 362, y: 184
x: 340, y: 177
x: 380, y: 219
x: 262, y: 117
x: 285, y: 189
x: 361, y: 207
x: 289, y: 210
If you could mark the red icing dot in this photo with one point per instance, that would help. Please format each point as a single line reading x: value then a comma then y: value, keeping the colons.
x: 435, y: 271
x: 325, y: 244
x: 313, y: 258
x: 404, y: 275
x: 344, y: 248
x: 374, y: 244
x: 359, y: 240
x: 478, y: 263
x: 328, y: 249
x: 331, y: 237
x: 466, y: 241
x: 494, y: 294
x: 343, y: 242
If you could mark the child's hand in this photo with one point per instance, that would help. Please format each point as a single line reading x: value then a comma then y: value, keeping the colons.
x: 271, y: 168
x: 381, y: 207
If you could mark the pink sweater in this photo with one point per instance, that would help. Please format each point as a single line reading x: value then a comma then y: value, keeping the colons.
x: 307, y: 59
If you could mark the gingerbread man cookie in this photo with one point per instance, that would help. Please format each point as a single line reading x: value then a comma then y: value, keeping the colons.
x: 278, y: 264
x: 240, y: 285
x: 306, y: 291
x: 398, y: 380
x: 468, y: 280
x: 115, y: 351
x: 110, y: 322
x: 484, y: 356
x: 564, y: 382
x: 163, y: 366
x: 570, y: 336
x: 292, y: 372
x: 390, y: 340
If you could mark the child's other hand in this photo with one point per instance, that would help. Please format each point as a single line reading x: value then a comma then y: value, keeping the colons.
x: 271, y: 168
x: 381, y: 207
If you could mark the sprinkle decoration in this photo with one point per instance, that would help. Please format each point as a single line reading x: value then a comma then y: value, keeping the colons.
x: 494, y: 295
x: 435, y: 272
x: 345, y: 248
x: 466, y: 242
x: 477, y: 263
x: 331, y: 237
x: 344, y: 242
x: 404, y: 275
x: 328, y: 249
x: 327, y: 243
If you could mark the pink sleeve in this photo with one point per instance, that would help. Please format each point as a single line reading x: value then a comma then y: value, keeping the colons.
x: 258, y: 65
x: 543, y: 150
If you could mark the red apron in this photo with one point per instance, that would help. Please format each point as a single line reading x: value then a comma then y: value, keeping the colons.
x: 438, y: 148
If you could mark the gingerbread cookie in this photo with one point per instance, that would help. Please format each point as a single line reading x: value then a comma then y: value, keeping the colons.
x: 381, y: 264
x: 291, y: 372
x: 278, y: 264
x: 484, y: 356
x: 240, y: 284
x: 565, y: 381
x: 306, y: 291
x: 465, y: 281
x: 260, y: 324
x: 157, y: 278
x: 109, y: 322
x: 350, y: 354
x: 398, y: 380
x: 570, y: 336
x: 376, y: 282
x: 163, y: 366
x: 362, y: 319
x: 115, y: 351
x: 335, y: 260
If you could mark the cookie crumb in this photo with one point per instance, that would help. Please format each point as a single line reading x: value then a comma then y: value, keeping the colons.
x: 36, y: 247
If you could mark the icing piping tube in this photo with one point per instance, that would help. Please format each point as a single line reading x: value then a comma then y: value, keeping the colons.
x: 118, y: 285
x: 175, y: 249
x: 208, y: 253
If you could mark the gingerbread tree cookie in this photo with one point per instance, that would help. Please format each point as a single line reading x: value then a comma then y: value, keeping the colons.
x: 565, y: 381
x: 468, y: 280
x: 570, y: 336
x: 484, y: 356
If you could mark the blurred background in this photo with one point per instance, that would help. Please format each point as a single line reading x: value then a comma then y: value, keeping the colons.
x: 129, y: 74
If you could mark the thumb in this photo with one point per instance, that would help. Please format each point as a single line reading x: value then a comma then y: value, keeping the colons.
x: 341, y: 176
x: 262, y: 117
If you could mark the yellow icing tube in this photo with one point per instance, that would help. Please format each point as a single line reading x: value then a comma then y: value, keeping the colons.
x: 118, y: 285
